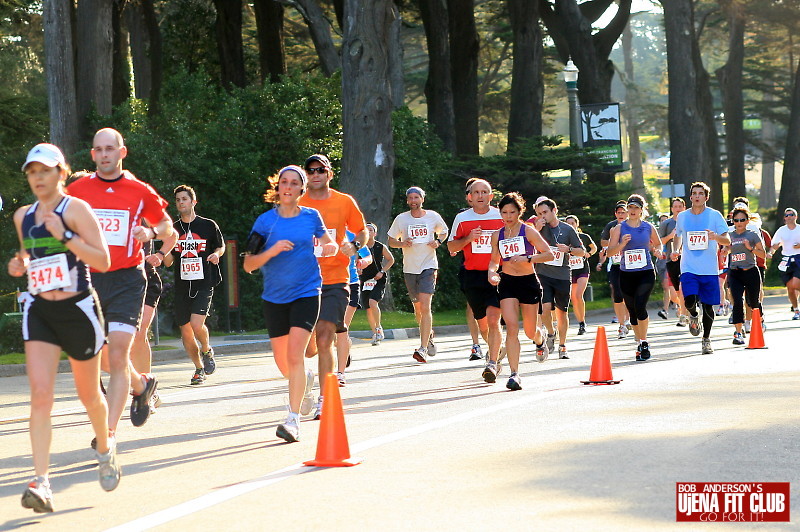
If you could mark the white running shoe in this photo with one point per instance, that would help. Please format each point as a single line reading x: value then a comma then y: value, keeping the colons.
x: 307, y: 404
x: 109, y: 470
x: 747, y: 326
x: 289, y: 430
x: 421, y: 354
x: 341, y: 379
x: 318, y: 408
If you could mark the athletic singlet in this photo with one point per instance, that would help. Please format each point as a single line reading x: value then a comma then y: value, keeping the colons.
x: 52, y: 266
x: 636, y: 253
x: 529, y: 250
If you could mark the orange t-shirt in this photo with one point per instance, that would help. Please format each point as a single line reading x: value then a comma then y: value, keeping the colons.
x: 339, y: 212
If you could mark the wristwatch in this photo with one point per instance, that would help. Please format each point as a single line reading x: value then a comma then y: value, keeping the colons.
x: 68, y: 235
x: 357, y: 244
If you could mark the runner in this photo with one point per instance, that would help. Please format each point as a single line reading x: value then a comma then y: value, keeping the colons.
x: 667, y: 233
x: 122, y: 204
x: 196, y: 255
x: 339, y: 212
x: 59, y: 240
x: 472, y: 233
x: 281, y: 245
x: 634, y: 239
x: 787, y: 237
x: 703, y: 229
x: 554, y: 275
x: 419, y: 232
x: 579, y: 271
x: 743, y: 275
x: 620, y: 313
x: 515, y: 246
x: 373, y: 282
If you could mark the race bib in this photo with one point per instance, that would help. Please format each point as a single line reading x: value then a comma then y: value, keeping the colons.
x: 784, y: 264
x: 635, y: 258
x: 369, y: 285
x: 419, y: 234
x: 559, y: 257
x: 191, y: 268
x: 318, y: 245
x: 697, y: 240
x: 615, y: 259
x: 48, y: 273
x: 738, y: 257
x: 115, y: 224
x: 510, y: 247
x: 483, y: 244
x: 575, y: 263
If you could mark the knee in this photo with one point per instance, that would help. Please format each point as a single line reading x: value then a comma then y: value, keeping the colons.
x: 91, y: 397
x: 41, y: 399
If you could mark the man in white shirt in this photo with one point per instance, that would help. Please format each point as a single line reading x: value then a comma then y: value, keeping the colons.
x: 787, y: 237
x: 419, y: 232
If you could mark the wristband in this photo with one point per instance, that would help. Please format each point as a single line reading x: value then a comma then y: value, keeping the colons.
x: 159, y: 252
x: 155, y: 231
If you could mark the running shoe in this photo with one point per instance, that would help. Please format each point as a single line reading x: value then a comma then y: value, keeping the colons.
x: 542, y: 352
x: 140, y: 404
x: 628, y: 325
x: 421, y: 354
x: 730, y: 319
x: 375, y: 340
x: 476, y: 353
x: 707, y: 349
x: 431, y: 346
x: 763, y: 325
x: 726, y: 308
x: 199, y: 376
x: 639, y: 353
x: 663, y: 314
x: 551, y: 342
x: 581, y: 328
x: 796, y: 315
x: 307, y: 404
x: 514, y: 382
x: 562, y: 352
x: 38, y: 496
x: 341, y: 379
x: 738, y: 338
x: 381, y: 336
x: 614, y: 320
x: 622, y: 332
x: 318, y: 408
x: 209, y: 364
x: 644, y: 350
x: 155, y: 402
x: 110, y: 472
x: 694, y: 325
x: 289, y: 430
x: 748, y: 325
x: 683, y: 320
x: 720, y: 309
x: 490, y: 372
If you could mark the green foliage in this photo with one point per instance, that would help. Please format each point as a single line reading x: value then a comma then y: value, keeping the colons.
x: 11, y: 333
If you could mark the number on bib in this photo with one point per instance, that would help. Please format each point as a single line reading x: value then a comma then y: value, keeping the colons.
x: 48, y: 273
x: 369, y: 285
x: 635, y: 258
x: 114, y: 224
x: 510, y: 247
x: 575, y: 263
x: 418, y: 233
x: 559, y: 257
x: 191, y: 268
x: 697, y: 240
x: 483, y: 244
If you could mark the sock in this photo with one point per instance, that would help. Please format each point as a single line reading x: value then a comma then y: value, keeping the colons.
x: 294, y: 416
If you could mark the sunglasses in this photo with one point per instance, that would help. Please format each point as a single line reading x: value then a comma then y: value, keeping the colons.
x: 740, y: 219
x: 318, y: 169
x: 789, y: 214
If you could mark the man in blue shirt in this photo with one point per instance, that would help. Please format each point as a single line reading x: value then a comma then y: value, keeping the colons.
x: 698, y: 234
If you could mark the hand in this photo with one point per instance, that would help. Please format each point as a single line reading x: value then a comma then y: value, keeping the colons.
x: 330, y: 249
x: 674, y: 256
x: 434, y: 243
x: 17, y: 266
x: 379, y: 276
x: 154, y: 260
x: 796, y: 245
x: 54, y: 225
x: 283, y: 245
x: 143, y: 234
x: 769, y: 254
x: 406, y: 243
x: 213, y: 258
x: 712, y: 235
x: 625, y: 238
x: 347, y: 248
x: 494, y: 279
x: 563, y: 248
x: 472, y: 235
x: 599, y: 266
x: 747, y: 245
x: 361, y: 264
x: 539, y: 223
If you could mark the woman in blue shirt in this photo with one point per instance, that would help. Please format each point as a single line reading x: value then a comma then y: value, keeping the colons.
x: 282, y: 244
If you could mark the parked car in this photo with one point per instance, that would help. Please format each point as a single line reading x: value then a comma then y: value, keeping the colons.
x: 662, y: 163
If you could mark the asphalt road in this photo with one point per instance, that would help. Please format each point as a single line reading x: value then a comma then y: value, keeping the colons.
x: 441, y: 449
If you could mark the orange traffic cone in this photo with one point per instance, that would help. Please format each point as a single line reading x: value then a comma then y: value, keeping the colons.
x: 756, y: 332
x: 332, y: 447
x: 601, y: 363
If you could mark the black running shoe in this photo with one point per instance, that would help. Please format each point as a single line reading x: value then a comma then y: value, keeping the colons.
x: 581, y: 328
x: 140, y: 404
x: 209, y: 364
x: 644, y: 350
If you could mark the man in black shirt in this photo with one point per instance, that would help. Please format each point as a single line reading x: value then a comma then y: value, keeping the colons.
x: 196, y: 256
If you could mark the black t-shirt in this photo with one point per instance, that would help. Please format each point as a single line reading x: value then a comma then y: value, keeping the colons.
x: 587, y: 244
x: 196, y: 241
x: 606, y: 234
x: 375, y: 266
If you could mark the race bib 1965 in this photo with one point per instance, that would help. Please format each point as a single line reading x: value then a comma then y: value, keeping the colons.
x: 115, y: 224
x: 48, y: 273
x: 483, y: 244
x: 191, y: 268
x: 419, y: 234
x: 635, y: 258
x: 697, y: 240
x: 510, y: 247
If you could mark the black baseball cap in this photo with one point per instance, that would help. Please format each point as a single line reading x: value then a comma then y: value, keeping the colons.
x: 320, y: 159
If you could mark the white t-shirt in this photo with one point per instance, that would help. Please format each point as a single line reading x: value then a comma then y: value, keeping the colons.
x: 787, y: 238
x: 420, y: 231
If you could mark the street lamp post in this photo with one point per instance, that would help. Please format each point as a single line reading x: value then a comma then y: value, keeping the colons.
x: 571, y: 79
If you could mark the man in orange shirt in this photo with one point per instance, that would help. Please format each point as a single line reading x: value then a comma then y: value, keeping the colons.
x: 340, y: 213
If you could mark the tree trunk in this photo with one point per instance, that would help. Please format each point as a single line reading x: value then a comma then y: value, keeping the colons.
x: 527, y: 89
x: 790, y: 184
x: 229, y: 42
x: 464, y: 47
x: 60, y: 73
x: 271, y: 54
x: 338, y: 9
x: 320, y: 35
x: 396, y: 75
x: 121, y: 80
x: 368, y: 155
x: 730, y: 82
x: 629, y: 110
x: 95, y: 60
x: 140, y: 45
x: 767, y: 198
x: 438, y: 87
x: 154, y: 52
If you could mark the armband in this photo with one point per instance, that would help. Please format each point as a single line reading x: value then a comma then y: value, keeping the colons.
x: 255, y: 243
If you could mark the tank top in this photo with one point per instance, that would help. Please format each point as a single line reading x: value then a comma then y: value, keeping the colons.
x: 636, y: 253
x: 52, y: 266
x: 528, y: 246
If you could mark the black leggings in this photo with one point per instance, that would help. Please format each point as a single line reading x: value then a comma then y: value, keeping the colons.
x: 613, y: 280
x: 636, y: 288
x: 747, y: 282
x: 708, y: 312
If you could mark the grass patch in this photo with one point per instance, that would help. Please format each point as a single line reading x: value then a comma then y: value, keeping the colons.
x: 19, y: 358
